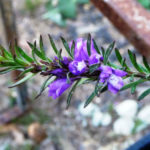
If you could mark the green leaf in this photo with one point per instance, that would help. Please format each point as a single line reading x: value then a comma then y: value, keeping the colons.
x: 72, y: 48
x: 89, y: 45
x: 36, y: 51
x: 89, y: 100
x: 47, y: 82
x: 108, y: 52
x: 19, y: 61
x: 103, y: 51
x: 66, y: 46
x: 134, y: 62
x: 56, y: 16
x: 67, y: 8
x: 71, y: 93
x: 23, y: 54
x: 53, y: 44
x: 120, y: 59
x: 42, y: 47
x: 33, y: 53
x: 93, y: 68
x: 27, y: 77
x: 96, y: 47
x: 133, y: 84
x: 146, y: 64
x: 133, y: 89
x: 9, y: 69
x: 25, y: 72
x: 5, y: 53
x: 144, y: 94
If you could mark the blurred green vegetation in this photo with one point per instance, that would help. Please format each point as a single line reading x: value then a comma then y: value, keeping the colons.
x: 145, y: 3
x: 59, y: 11
x: 31, y: 5
x: 37, y: 115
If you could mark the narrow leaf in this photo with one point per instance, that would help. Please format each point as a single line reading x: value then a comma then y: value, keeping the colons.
x: 53, y: 44
x: 89, y: 100
x: 71, y: 93
x: 134, y: 62
x: 146, y: 64
x: 24, y: 55
x: 108, y: 52
x: 66, y: 46
x: 89, y: 45
x: 96, y: 47
x: 27, y: 77
x: 144, y: 94
x: 133, y: 84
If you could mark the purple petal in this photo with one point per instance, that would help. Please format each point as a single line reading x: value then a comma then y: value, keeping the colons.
x: 80, y: 52
x: 104, y: 76
x: 60, y: 73
x: 105, y: 69
x: 66, y: 60
x: 77, y: 67
x: 94, y: 59
x: 119, y: 73
x: 115, y: 83
x: 57, y: 87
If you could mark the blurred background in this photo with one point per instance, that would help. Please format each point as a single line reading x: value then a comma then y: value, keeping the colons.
x: 111, y: 122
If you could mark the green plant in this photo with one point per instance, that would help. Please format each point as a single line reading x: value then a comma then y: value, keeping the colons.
x: 145, y: 3
x: 63, y: 9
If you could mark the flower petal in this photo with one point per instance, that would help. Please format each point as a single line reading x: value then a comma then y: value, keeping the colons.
x: 57, y: 87
x: 119, y: 73
x: 115, y: 83
x: 77, y: 67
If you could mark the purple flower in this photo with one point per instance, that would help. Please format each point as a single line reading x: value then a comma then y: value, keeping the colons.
x: 57, y: 87
x: 59, y: 72
x: 77, y: 67
x: 112, y: 77
x: 95, y: 59
x: 80, y: 52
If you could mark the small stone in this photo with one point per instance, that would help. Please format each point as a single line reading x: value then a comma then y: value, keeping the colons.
x: 123, y: 126
x: 89, y: 110
x: 144, y: 114
x: 127, y: 108
x: 99, y: 118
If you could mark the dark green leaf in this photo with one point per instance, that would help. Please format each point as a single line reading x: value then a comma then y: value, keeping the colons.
x: 120, y: 59
x: 25, y: 72
x: 144, y: 94
x: 47, y: 82
x: 108, y: 52
x: 36, y: 51
x: 23, y: 54
x: 89, y: 100
x: 134, y: 62
x: 72, y: 48
x: 96, y: 47
x: 53, y: 44
x: 66, y: 47
x: 146, y: 64
x: 89, y: 45
x: 71, y: 93
x: 27, y: 77
x: 5, y: 53
x: 133, y: 89
x: 103, y: 51
x: 133, y: 84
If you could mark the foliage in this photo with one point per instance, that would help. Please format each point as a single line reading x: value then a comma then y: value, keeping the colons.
x: 32, y: 4
x: 59, y: 11
x: 60, y: 70
x: 145, y: 3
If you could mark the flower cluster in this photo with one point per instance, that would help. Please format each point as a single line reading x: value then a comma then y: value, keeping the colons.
x: 79, y: 67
